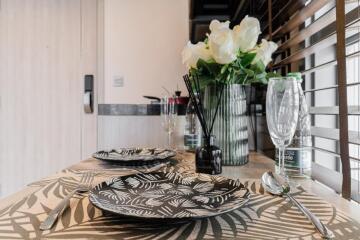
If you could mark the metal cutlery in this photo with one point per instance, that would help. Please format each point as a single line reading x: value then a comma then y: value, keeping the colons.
x: 84, y: 186
x: 275, y: 187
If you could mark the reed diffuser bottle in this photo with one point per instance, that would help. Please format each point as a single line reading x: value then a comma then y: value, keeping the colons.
x: 208, y: 157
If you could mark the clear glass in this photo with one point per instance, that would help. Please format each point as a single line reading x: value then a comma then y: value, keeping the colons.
x: 298, y: 155
x: 168, y: 110
x: 282, y: 111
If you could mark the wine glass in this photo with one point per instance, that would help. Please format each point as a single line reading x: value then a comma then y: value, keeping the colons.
x: 168, y: 116
x: 282, y: 110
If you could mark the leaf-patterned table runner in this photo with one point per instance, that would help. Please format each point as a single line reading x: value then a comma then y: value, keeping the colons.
x: 264, y: 217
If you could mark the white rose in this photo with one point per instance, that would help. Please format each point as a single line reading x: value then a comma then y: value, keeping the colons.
x: 193, y: 52
x: 264, y: 51
x: 221, y: 42
x: 246, y: 34
x: 215, y: 25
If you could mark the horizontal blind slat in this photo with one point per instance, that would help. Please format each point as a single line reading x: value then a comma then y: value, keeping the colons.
x: 332, y: 179
x: 328, y: 64
x: 330, y: 87
x: 330, y: 133
x: 334, y: 154
x: 301, y: 16
x: 329, y: 177
x: 326, y: 41
x: 333, y: 110
x: 325, y: 20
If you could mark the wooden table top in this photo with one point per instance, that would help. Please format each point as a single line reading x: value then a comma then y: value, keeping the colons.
x: 264, y: 217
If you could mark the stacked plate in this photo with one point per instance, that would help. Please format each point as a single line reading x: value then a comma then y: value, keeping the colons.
x: 138, y: 155
x: 166, y: 194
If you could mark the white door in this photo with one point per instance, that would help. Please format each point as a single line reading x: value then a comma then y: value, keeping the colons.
x: 46, y: 48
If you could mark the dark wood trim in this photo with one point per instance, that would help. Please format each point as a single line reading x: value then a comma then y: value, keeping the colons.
x: 238, y: 12
x: 270, y: 18
x: 288, y: 9
x: 301, y: 16
x: 323, y: 43
x: 319, y: 24
x: 343, y: 106
x: 329, y: 39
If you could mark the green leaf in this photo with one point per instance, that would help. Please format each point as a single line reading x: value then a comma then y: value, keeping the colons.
x: 272, y: 74
x: 205, y: 81
x: 258, y: 67
x: 224, y: 68
x: 247, y: 59
x: 261, y: 78
x: 211, y: 68
x: 249, y: 72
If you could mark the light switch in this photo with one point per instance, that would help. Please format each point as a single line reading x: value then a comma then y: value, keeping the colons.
x: 118, y: 81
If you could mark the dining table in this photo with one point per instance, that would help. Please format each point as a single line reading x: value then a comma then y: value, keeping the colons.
x: 263, y: 217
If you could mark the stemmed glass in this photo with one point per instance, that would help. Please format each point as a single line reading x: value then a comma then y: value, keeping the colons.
x: 282, y: 110
x: 168, y: 115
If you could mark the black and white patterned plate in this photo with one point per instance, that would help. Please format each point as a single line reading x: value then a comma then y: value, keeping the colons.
x: 134, y: 154
x: 169, y: 195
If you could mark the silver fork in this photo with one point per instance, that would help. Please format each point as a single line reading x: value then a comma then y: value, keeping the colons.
x: 84, y: 186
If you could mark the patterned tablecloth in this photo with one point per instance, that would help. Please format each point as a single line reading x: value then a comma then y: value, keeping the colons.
x: 264, y: 217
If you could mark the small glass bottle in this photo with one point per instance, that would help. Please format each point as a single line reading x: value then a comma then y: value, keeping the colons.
x: 208, y: 158
x: 298, y: 155
x: 192, y: 132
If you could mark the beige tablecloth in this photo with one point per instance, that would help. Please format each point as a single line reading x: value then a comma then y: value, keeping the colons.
x: 264, y: 217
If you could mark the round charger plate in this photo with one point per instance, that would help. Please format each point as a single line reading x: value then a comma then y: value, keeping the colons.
x: 134, y: 154
x: 169, y: 195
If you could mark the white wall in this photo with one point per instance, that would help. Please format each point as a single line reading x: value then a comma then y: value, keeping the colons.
x: 138, y: 131
x: 143, y: 41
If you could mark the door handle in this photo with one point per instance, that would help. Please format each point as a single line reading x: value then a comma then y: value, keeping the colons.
x: 88, y: 93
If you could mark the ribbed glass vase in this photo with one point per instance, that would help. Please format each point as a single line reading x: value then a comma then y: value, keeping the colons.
x: 230, y: 128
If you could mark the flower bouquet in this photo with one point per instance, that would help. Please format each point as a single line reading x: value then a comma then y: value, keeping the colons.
x: 224, y: 62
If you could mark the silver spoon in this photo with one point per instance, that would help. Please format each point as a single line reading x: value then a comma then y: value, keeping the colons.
x: 275, y: 186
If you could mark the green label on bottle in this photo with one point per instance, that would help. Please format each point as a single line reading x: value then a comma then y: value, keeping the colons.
x: 296, y: 158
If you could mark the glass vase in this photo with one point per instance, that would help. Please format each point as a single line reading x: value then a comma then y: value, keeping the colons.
x: 231, y: 123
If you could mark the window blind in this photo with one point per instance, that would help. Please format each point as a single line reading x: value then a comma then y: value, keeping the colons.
x: 321, y: 40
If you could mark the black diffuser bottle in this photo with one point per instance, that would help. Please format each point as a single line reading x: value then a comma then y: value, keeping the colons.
x: 208, y: 157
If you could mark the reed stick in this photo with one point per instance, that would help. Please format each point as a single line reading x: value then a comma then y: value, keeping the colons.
x: 198, y: 104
